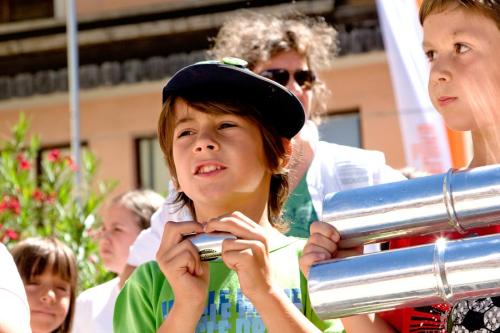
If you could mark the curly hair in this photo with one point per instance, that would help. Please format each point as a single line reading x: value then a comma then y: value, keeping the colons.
x: 488, y: 8
x: 257, y: 37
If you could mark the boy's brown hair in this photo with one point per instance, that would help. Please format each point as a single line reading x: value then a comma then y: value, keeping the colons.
x: 35, y: 255
x: 274, y: 149
x: 488, y: 8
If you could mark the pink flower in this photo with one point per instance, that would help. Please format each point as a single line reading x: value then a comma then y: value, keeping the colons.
x: 23, y: 163
x: 10, y: 204
x: 14, y: 206
x: 54, y: 155
x: 11, y: 234
x: 38, y: 195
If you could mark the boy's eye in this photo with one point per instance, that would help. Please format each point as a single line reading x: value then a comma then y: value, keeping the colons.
x: 227, y: 125
x: 430, y: 54
x: 461, y: 48
x: 184, y: 133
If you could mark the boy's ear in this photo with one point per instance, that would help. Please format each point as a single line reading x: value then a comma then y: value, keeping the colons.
x: 287, y: 144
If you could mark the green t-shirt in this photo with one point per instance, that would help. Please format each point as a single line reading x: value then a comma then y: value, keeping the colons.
x: 147, y: 297
x: 299, y: 211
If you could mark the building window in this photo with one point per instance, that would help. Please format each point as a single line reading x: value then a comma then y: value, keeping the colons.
x: 152, y: 172
x: 342, y: 128
x: 19, y: 10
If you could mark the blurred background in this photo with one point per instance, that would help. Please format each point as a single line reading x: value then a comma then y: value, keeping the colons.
x: 129, y: 48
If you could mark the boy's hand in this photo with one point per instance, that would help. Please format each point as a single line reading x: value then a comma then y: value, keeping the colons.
x: 180, y: 262
x: 321, y: 245
x: 247, y: 255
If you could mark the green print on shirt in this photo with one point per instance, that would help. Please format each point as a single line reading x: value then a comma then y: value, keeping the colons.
x: 218, y: 316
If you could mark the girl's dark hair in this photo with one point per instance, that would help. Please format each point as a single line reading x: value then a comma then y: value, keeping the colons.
x: 34, y: 256
x: 274, y: 149
x: 488, y: 8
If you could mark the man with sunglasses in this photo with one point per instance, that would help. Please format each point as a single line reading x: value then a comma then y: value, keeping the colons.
x: 288, y: 51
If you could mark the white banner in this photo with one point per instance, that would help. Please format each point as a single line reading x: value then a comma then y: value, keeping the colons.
x: 422, y: 130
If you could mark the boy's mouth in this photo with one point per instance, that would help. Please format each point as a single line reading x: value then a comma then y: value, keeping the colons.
x: 204, y: 169
x: 445, y: 100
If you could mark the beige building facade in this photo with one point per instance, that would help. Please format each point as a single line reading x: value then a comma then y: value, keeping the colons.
x: 118, y: 119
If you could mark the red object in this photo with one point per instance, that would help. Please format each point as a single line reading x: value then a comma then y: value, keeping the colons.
x: 54, y: 155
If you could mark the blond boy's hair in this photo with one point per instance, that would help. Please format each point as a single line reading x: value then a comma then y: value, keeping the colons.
x: 488, y: 8
x: 274, y: 149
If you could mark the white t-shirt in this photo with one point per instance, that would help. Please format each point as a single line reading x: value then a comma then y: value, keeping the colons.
x: 334, y: 168
x: 94, y: 308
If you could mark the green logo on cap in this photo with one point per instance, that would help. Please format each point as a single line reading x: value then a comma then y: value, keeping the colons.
x: 235, y: 62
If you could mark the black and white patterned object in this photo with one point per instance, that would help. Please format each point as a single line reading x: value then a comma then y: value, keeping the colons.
x: 481, y: 315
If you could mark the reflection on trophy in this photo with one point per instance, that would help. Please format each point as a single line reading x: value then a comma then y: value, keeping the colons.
x: 446, y: 271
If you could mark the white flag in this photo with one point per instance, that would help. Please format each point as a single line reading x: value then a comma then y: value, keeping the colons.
x: 424, y: 135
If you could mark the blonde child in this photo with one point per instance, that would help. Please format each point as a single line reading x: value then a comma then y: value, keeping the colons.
x: 48, y: 270
x: 126, y: 216
x: 462, y: 43
x: 225, y: 133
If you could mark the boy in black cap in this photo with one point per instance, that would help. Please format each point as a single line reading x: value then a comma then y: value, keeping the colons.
x: 225, y: 133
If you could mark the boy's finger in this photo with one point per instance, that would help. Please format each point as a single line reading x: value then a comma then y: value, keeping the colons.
x: 240, y: 228
x: 184, y: 246
x: 184, y: 261
x: 325, y: 229
x: 312, y: 248
x: 322, y: 241
x: 307, y: 260
x: 173, y: 232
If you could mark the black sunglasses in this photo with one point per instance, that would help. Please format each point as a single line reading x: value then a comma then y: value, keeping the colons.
x: 304, y: 78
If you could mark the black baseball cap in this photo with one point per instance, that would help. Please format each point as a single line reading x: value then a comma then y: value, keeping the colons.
x: 231, y: 78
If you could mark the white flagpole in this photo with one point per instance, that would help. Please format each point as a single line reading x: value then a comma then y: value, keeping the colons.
x: 73, y: 88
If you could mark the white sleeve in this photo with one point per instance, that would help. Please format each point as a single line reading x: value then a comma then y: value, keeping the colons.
x: 14, y: 309
x: 147, y: 243
x: 83, y: 315
x: 389, y: 175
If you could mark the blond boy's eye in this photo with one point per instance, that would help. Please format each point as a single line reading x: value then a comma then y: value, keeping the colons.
x: 430, y: 55
x: 461, y: 48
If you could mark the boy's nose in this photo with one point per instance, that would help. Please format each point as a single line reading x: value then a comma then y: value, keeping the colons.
x: 206, y: 142
x: 439, y: 72
x: 204, y: 147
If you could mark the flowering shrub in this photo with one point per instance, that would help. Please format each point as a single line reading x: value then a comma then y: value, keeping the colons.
x: 37, y: 198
